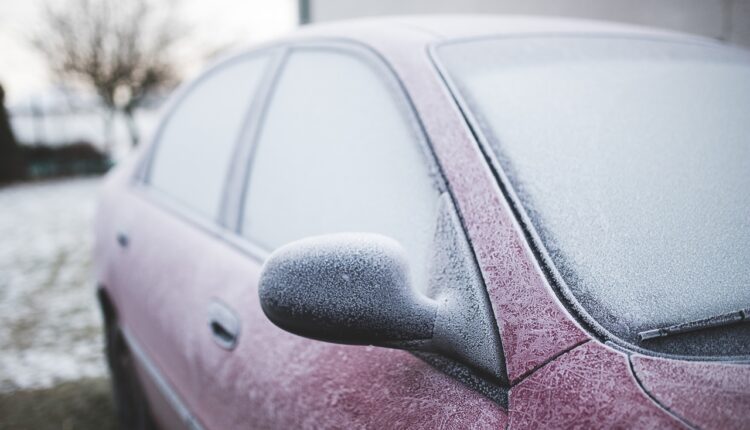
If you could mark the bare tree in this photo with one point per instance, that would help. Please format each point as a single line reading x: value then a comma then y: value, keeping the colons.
x: 122, y: 49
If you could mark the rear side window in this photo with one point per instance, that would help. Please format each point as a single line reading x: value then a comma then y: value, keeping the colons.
x: 340, y: 151
x: 192, y: 156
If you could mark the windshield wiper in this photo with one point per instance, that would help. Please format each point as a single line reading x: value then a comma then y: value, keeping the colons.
x: 742, y: 315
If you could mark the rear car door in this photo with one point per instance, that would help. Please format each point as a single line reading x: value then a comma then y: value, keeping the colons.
x: 170, y: 230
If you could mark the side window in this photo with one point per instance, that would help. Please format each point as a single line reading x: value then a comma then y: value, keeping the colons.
x: 193, y: 151
x: 340, y: 151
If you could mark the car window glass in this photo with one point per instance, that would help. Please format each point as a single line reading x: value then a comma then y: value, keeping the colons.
x: 192, y: 157
x: 340, y: 151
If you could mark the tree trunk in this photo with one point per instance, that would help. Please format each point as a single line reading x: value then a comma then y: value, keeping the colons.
x: 132, y: 127
x: 109, y: 141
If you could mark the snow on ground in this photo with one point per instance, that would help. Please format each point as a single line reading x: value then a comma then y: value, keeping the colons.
x: 49, y: 320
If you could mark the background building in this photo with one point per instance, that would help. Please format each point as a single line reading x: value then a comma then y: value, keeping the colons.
x: 727, y: 20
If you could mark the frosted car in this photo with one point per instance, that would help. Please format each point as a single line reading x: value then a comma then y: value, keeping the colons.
x: 455, y: 222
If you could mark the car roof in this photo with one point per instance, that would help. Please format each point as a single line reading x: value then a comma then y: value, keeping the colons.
x: 432, y: 28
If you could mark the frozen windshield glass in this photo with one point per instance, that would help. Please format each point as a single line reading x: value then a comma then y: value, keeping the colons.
x: 632, y: 160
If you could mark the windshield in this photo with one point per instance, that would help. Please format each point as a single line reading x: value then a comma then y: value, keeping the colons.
x: 631, y: 159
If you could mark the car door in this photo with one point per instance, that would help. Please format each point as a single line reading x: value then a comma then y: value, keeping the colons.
x: 337, y: 148
x: 170, y: 232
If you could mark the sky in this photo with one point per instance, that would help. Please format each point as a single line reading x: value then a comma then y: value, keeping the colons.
x: 214, y: 24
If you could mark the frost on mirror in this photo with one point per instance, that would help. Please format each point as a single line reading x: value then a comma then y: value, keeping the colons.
x: 340, y: 152
x: 348, y: 288
x: 631, y: 159
x: 354, y: 288
x: 197, y: 141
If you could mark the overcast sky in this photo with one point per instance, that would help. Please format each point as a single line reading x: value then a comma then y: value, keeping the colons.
x: 215, y: 23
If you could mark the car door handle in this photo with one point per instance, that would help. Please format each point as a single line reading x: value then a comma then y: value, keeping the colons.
x: 122, y: 239
x: 224, y: 325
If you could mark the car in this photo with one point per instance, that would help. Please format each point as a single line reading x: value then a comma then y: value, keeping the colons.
x: 438, y: 222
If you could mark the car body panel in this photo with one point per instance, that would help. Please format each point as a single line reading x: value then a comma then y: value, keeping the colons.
x: 691, y: 388
x: 161, y: 300
x: 273, y: 379
x: 590, y: 386
x: 166, y: 409
x: 534, y: 327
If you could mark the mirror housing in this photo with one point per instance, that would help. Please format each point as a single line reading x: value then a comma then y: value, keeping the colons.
x: 354, y: 288
x: 350, y: 288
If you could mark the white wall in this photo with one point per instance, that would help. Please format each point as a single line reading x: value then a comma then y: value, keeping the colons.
x: 721, y: 19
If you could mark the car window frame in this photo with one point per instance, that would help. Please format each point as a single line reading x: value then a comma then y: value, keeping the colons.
x: 226, y: 227
x: 382, y: 69
x: 139, y: 181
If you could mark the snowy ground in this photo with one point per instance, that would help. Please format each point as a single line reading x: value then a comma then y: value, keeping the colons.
x: 49, y: 323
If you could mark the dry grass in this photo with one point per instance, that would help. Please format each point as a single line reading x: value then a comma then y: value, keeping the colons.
x: 85, y: 404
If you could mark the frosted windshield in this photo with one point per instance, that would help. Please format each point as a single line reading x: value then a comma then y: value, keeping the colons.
x: 632, y: 159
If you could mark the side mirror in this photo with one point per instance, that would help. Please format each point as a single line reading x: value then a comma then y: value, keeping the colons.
x: 354, y: 288
x: 346, y: 288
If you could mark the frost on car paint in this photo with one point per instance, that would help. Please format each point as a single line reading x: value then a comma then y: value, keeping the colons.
x: 689, y: 388
x: 357, y: 288
x: 347, y: 287
x: 587, y: 387
x: 558, y: 370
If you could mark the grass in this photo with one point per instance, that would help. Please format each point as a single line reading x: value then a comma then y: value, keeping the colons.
x: 85, y: 404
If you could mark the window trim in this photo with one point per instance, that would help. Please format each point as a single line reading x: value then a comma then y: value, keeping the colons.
x: 141, y: 179
x: 226, y: 228
x: 233, y: 186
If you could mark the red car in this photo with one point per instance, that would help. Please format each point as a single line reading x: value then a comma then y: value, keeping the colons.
x: 439, y: 222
